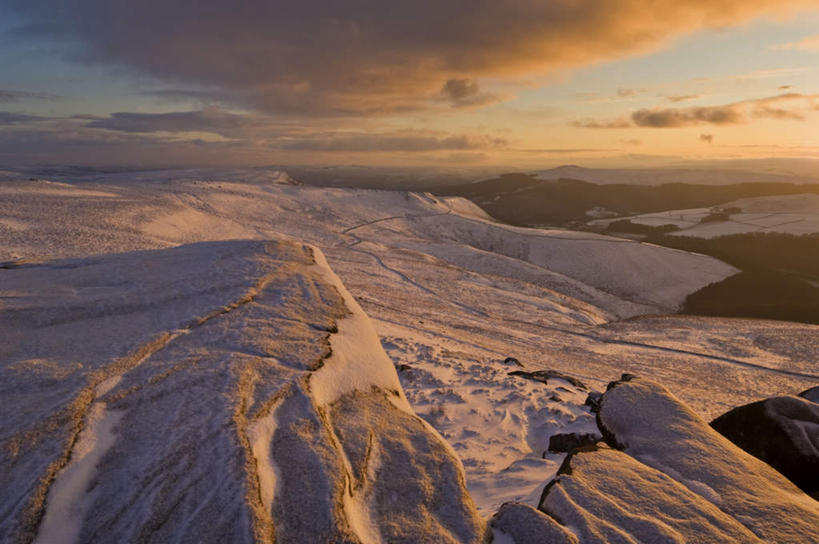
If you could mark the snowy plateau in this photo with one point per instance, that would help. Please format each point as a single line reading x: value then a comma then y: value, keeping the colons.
x: 241, y: 358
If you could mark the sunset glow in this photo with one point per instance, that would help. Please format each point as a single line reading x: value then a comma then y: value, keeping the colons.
x: 520, y: 83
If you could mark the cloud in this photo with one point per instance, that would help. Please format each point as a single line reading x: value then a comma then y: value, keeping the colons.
x: 211, y: 119
x: 370, y: 57
x: 460, y: 89
x: 593, y: 123
x: 395, y: 142
x: 683, y: 97
x: 566, y: 151
x: 787, y: 106
x: 15, y: 96
x: 772, y: 73
x: 728, y: 114
x: 671, y: 117
x: 811, y: 43
x: 214, y: 136
x: 466, y: 93
x: 777, y: 113
x: 623, y: 93
x: 632, y: 141
x: 707, y: 138
x: 10, y: 118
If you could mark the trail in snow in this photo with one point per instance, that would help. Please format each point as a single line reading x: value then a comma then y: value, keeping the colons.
x: 391, y: 218
x: 400, y: 274
x: 420, y: 286
x: 595, y: 338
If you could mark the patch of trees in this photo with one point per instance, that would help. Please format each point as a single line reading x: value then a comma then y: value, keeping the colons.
x: 626, y: 226
x: 779, y: 278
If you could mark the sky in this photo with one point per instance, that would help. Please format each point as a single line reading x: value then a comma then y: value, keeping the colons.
x: 518, y: 83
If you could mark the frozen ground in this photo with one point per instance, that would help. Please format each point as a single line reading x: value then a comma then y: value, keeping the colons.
x: 788, y: 214
x: 451, y: 294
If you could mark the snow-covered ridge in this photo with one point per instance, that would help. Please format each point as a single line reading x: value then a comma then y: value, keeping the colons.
x: 208, y: 392
x: 623, y: 277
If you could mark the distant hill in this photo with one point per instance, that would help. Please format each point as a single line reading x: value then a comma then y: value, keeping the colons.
x: 527, y: 200
x: 718, y: 174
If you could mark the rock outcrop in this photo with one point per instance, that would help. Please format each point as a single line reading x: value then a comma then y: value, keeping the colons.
x: 217, y: 392
x: 783, y: 432
x: 666, y: 476
x: 522, y: 523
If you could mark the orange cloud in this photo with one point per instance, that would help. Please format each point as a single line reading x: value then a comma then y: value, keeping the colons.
x: 682, y: 117
x: 370, y: 57
x: 788, y: 106
x: 683, y: 97
x: 463, y: 93
x: 593, y: 123
x: 811, y: 43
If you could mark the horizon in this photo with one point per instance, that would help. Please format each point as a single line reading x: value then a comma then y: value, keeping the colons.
x: 513, y: 85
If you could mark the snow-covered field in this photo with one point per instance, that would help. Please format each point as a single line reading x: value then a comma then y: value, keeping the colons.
x: 788, y: 214
x: 450, y: 294
x: 712, y: 175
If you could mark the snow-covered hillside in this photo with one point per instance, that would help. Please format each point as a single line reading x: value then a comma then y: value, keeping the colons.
x: 451, y: 294
x: 712, y: 175
x: 788, y: 214
x: 620, y: 276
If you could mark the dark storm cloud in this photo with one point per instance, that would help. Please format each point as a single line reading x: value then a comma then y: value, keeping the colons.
x: 367, y: 57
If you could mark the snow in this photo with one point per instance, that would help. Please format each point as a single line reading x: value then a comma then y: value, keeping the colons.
x: 499, y: 425
x: 243, y: 331
x: 659, y: 176
x: 655, y: 428
x: 260, y: 434
x: 609, y: 497
x: 665, y: 476
x: 188, y: 395
x: 67, y: 505
x: 788, y: 214
x: 357, y: 361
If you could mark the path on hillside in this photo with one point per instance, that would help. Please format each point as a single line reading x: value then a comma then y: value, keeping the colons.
x: 586, y: 335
